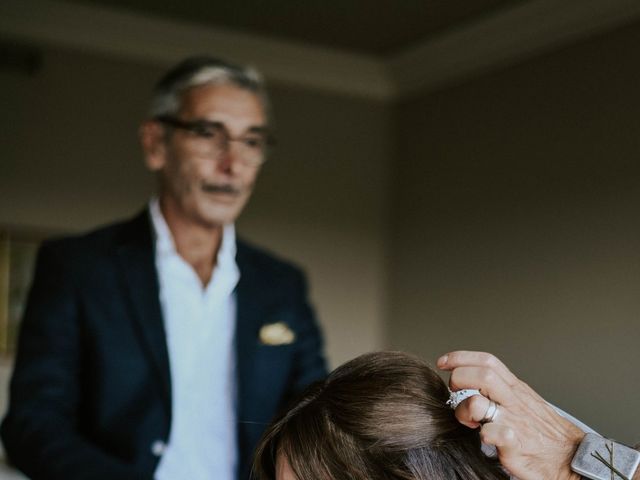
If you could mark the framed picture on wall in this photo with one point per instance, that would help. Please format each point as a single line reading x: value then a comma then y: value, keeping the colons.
x: 18, y: 249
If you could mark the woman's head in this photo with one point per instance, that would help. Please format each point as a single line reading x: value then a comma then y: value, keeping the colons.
x: 380, y: 416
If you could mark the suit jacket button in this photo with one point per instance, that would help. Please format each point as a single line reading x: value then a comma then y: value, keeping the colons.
x: 158, y: 448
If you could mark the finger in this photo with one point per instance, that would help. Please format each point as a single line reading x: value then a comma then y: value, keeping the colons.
x: 490, y: 384
x: 501, y: 436
x: 462, y: 358
x: 471, y: 411
x: 513, y: 455
x: 478, y: 359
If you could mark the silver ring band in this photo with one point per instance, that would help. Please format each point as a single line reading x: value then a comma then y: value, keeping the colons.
x: 491, y: 414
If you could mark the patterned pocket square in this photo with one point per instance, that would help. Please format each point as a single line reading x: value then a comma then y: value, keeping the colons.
x: 277, y: 333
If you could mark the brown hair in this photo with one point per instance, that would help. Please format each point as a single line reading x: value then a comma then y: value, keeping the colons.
x: 381, y: 416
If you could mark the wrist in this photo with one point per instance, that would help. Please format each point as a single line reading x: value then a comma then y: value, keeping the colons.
x: 573, y: 436
x: 574, y: 439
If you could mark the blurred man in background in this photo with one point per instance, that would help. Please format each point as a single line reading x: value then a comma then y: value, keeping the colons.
x: 160, y: 347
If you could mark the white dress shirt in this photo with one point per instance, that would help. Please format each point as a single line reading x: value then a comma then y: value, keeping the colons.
x: 199, y: 324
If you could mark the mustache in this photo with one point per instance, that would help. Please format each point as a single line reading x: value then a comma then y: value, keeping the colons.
x: 220, y: 188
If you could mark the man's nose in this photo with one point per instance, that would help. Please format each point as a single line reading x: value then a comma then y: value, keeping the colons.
x: 227, y: 157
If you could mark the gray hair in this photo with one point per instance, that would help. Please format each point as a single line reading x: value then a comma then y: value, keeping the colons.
x: 202, y: 70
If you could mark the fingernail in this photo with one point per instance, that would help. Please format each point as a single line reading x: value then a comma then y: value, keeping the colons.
x: 442, y: 361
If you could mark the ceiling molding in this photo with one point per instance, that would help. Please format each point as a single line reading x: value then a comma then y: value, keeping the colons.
x: 164, y: 42
x: 504, y: 38
x: 507, y: 37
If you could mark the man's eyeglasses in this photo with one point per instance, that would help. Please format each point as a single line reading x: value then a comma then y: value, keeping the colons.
x: 216, y: 139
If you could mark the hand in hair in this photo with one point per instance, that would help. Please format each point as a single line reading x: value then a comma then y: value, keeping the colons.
x: 532, y: 440
x: 380, y: 416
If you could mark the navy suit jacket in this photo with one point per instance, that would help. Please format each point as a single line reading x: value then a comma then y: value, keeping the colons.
x: 91, y: 390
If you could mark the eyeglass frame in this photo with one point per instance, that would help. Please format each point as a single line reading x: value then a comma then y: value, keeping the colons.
x: 202, y: 129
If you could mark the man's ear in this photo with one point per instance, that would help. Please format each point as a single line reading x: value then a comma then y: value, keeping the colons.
x: 153, y: 141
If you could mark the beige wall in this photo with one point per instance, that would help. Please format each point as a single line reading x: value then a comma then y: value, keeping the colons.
x: 70, y: 160
x: 324, y: 201
x: 516, y: 206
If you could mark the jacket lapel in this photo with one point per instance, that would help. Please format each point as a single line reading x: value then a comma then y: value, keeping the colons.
x: 250, y: 301
x: 135, y: 253
x: 249, y: 317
